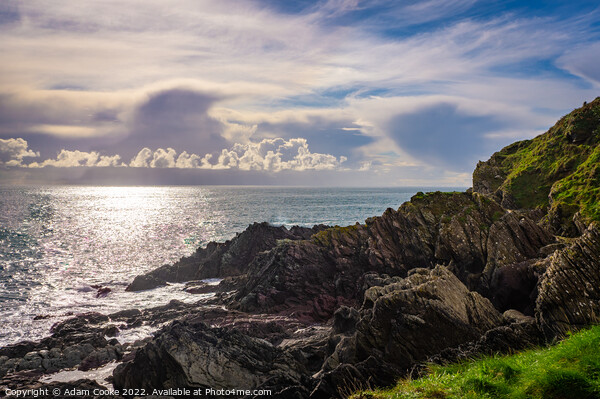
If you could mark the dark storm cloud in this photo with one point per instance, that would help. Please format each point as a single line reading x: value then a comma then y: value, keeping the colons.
x: 176, y: 118
x: 443, y: 135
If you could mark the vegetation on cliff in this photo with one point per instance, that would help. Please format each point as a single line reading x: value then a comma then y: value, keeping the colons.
x: 570, y: 369
x: 558, y: 171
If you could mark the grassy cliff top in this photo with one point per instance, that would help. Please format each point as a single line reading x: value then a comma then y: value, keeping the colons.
x: 558, y: 171
x: 570, y: 369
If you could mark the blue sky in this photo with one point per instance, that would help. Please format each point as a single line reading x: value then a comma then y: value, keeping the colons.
x: 335, y: 92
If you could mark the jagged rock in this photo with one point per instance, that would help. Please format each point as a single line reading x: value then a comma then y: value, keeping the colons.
x: 468, y: 232
x: 422, y: 315
x: 569, y: 291
x: 223, y: 259
x: 521, y: 333
x: 403, y: 323
x: 195, y: 355
x: 556, y: 171
x: 515, y: 286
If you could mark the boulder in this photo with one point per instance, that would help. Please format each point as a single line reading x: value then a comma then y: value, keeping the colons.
x: 402, y: 324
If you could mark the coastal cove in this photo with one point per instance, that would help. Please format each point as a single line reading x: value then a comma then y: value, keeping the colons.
x: 300, y: 199
x: 321, y: 312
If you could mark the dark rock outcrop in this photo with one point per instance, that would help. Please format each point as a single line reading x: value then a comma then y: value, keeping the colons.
x: 469, y: 233
x: 403, y: 323
x: 229, y: 258
x: 569, y: 291
x: 520, y: 333
x: 196, y: 356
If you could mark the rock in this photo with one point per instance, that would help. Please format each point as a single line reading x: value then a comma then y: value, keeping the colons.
x: 569, y: 291
x: 514, y: 286
x: 469, y: 233
x: 102, y: 292
x: 408, y: 321
x: 195, y: 355
x: 199, y: 287
x: 404, y: 323
x: 223, y: 259
x: 100, y: 357
x: 514, y: 316
x: 344, y: 320
x: 521, y: 333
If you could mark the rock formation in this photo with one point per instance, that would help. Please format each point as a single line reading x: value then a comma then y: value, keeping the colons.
x: 222, y: 259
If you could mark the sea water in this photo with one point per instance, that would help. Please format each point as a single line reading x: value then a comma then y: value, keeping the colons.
x: 57, y: 242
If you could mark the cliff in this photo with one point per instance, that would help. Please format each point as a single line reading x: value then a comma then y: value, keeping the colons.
x: 558, y: 172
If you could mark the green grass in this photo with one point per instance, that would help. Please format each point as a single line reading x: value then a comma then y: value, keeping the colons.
x: 567, y: 370
x: 562, y: 163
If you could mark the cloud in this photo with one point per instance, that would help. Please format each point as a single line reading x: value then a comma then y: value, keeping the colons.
x: 12, y: 151
x: 354, y: 79
x: 69, y: 159
x: 275, y: 155
x: 270, y: 155
x: 142, y: 159
x: 177, y: 114
x: 444, y: 135
x: 583, y: 61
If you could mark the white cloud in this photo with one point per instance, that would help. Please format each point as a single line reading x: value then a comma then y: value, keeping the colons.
x: 142, y: 159
x: 272, y: 155
x: 69, y: 159
x: 275, y: 155
x: 163, y: 158
x: 12, y: 151
x: 188, y: 161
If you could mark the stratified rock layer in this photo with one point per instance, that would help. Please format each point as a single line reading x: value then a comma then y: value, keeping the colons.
x: 469, y: 233
x: 403, y: 323
x: 193, y: 355
x: 569, y: 291
x: 229, y: 258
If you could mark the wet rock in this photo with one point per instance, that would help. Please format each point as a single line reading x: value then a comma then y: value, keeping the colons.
x: 199, y: 287
x: 102, y: 292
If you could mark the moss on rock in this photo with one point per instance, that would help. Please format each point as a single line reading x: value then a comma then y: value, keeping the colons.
x: 558, y: 171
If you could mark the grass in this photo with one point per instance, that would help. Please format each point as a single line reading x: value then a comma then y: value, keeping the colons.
x: 561, y: 163
x: 567, y: 370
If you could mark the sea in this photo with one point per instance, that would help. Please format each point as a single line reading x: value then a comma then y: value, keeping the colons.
x: 59, y: 243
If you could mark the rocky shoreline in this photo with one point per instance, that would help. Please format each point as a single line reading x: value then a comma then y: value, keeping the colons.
x: 321, y: 312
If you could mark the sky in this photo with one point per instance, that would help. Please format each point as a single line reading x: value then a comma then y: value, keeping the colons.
x: 331, y: 92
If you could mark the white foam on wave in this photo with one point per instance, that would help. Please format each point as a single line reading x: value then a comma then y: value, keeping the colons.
x: 99, y: 375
